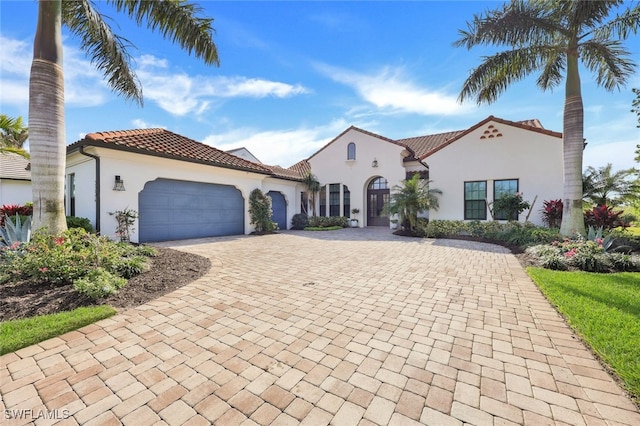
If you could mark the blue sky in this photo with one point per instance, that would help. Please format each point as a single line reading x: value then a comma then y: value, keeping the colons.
x: 294, y: 75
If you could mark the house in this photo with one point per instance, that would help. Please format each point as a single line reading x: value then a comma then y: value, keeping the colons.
x: 15, y: 179
x: 471, y: 167
x: 182, y: 188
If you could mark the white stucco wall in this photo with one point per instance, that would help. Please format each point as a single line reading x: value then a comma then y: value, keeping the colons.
x: 533, y: 158
x: 15, y: 191
x: 136, y: 170
x: 330, y: 165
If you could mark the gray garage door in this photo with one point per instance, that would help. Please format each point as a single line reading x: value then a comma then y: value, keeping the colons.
x: 176, y: 210
x: 279, y: 207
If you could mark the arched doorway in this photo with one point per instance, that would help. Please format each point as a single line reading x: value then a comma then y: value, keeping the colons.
x: 377, y: 197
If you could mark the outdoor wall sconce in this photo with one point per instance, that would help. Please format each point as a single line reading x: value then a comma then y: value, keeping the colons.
x: 118, y: 185
x: 374, y: 163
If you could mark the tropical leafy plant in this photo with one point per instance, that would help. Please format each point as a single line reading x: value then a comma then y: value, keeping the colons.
x: 554, y: 38
x: 311, y: 183
x: 15, y: 232
x: 409, y: 199
x: 13, y: 135
x: 552, y: 213
x: 602, y: 186
x: 603, y: 217
x: 510, y: 206
x: 179, y: 21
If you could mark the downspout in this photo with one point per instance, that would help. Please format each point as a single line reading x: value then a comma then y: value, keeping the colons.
x: 95, y: 157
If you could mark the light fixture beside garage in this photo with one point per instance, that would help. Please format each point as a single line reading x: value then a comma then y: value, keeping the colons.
x: 374, y: 163
x: 118, y: 185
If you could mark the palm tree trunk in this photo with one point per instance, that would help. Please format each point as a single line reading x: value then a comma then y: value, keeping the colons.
x: 46, y: 121
x: 573, y: 145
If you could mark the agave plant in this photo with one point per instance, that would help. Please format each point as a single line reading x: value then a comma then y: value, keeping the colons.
x: 593, y: 235
x: 15, y: 232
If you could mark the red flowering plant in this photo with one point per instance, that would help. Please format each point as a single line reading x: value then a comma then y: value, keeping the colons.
x: 552, y: 213
x: 604, y: 217
x: 15, y: 209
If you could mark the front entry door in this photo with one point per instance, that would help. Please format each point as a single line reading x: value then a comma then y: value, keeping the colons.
x: 377, y: 197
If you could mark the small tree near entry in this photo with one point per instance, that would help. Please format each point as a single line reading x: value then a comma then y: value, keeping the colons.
x: 411, y: 198
x: 260, y: 211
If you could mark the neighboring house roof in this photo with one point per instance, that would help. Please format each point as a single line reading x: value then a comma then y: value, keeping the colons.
x: 163, y: 143
x: 13, y: 166
x: 282, y: 173
x: 244, y: 153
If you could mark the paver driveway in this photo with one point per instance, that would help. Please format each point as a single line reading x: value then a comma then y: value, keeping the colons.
x: 347, y: 327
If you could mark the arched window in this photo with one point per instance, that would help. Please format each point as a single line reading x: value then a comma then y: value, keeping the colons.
x: 351, y: 151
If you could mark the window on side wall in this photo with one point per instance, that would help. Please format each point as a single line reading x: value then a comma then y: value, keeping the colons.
x: 72, y: 194
x: 351, y: 151
x: 334, y: 199
x: 346, y: 201
x: 323, y: 201
x: 500, y: 188
x: 475, y: 195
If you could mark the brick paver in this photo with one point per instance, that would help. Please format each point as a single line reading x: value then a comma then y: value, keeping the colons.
x: 355, y: 326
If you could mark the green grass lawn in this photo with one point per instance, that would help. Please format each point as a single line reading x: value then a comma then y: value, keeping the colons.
x: 604, y: 309
x: 18, y: 334
x: 633, y: 230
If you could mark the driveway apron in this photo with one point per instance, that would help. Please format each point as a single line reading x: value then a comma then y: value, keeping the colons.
x: 350, y: 327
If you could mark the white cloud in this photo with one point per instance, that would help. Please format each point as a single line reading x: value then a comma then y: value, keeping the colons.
x: 139, y: 123
x: 180, y: 94
x: 84, y: 85
x: 391, y: 91
x: 619, y: 154
x: 278, y: 147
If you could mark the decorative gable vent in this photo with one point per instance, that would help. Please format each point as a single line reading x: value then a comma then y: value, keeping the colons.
x: 491, y: 132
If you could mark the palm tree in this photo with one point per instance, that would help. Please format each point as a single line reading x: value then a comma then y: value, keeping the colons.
x: 552, y: 37
x: 310, y: 181
x: 602, y: 187
x: 177, y: 20
x: 13, y: 133
x: 410, y: 198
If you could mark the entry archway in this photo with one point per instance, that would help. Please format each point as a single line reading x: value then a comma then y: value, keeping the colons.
x: 377, y: 197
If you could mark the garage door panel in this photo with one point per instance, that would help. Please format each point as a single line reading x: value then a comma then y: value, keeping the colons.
x: 173, y: 210
x: 278, y: 208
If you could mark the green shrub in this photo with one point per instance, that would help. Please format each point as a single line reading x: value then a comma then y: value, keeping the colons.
x: 79, y: 222
x: 260, y: 211
x: 444, y: 228
x: 299, y: 221
x: 67, y: 257
x: 129, y: 267
x: 623, y: 262
x: 325, y: 222
x: 99, y: 283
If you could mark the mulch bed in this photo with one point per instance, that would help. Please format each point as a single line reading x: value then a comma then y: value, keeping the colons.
x: 170, y: 270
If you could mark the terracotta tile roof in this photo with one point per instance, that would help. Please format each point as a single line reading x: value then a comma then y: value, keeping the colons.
x: 13, y: 166
x: 281, y: 172
x: 163, y: 143
x: 301, y: 168
x: 424, y: 146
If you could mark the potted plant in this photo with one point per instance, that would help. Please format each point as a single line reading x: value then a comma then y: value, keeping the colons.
x: 353, y: 222
x: 393, y: 223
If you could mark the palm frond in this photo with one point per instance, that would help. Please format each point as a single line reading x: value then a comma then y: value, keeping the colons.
x: 518, y: 23
x: 492, y: 77
x: 553, y: 71
x: 177, y: 20
x: 12, y: 150
x: 609, y: 60
x: 621, y: 26
x: 107, y: 51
